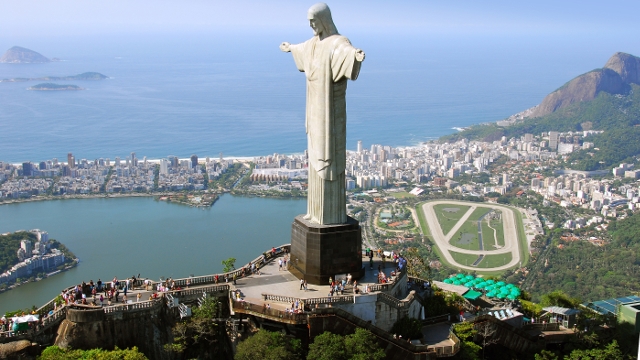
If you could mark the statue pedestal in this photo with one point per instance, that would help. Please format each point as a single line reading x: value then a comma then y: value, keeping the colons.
x: 322, y: 251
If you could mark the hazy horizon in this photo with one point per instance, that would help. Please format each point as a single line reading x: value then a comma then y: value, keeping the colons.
x: 209, y: 75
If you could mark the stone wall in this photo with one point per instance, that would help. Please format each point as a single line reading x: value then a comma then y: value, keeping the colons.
x: 383, y: 310
x: 148, y: 329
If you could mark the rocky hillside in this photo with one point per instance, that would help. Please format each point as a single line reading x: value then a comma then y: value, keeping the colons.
x: 20, y: 55
x: 614, y: 78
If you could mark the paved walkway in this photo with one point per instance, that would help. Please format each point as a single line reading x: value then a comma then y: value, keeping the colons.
x: 437, y: 334
x: 282, y: 282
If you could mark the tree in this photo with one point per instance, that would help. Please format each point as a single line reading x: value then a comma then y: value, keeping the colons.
x: 56, y: 353
x: 363, y: 345
x: 360, y: 345
x: 559, y: 298
x: 229, y: 264
x: 200, y: 336
x: 327, y: 346
x: 466, y: 332
x: 409, y: 328
x: 486, y: 332
x: 610, y: 351
x: 268, y: 345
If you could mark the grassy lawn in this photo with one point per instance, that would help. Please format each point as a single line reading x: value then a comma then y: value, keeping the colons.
x: 467, y: 234
x: 491, y: 261
x: 466, y: 237
x: 401, y: 195
x: 464, y: 259
x: 477, y: 213
x: 488, y: 237
x: 448, y: 220
x: 498, y: 225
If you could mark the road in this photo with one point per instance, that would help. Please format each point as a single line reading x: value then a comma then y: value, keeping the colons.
x: 511, y: 244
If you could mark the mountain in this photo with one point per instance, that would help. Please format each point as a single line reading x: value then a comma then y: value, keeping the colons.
x: 614, y: 78
x: 20, y: 55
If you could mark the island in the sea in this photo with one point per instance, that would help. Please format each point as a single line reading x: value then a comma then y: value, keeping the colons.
x: 91, y: 76
x: 27, y: 256
x: 20, y: 55
x: 54, y: 87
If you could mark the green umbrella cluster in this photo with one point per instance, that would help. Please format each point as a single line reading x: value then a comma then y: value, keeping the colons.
x: 493, y: 289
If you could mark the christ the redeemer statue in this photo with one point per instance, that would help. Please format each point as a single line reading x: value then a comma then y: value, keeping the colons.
x: 328, y: 59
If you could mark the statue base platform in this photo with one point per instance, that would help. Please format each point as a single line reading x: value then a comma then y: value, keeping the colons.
x: 322, y: 251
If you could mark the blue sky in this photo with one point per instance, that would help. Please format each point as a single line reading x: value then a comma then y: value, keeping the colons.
x: 27, y: 18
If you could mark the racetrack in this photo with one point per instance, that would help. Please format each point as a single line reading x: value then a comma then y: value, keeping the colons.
x: 511, y: 244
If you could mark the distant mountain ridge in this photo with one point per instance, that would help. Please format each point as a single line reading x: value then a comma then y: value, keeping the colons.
x: 615, y: 77
x: 20, y: 55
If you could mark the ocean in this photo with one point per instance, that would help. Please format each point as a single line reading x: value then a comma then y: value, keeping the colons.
x: 240, y: 96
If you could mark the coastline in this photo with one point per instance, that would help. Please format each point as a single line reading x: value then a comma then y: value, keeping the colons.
x: 76, y: 261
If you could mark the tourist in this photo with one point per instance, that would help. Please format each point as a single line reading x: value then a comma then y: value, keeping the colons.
x: 138, y: 297
x: 235, y: 276
x: 284, y: 262
x: 99, y: 283
x: 301, y: 284
x: 279, y: 264
x: 349, y: 278
x: 188, y: 283
x: 305, y: 285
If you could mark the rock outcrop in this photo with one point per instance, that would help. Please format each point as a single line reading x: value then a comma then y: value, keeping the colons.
x: 626, y: 65
x: 20, y: 55
x: 21, y: 349
x: 148, y: 329
x: 620, y: 71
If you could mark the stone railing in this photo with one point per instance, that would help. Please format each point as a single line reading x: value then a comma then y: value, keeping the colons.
x: 330, y: 300
x: 447, y: 350
x: 259, y: 262
x: 436, y: 319
x: 200, y: 290
x: 391, y: 301
x: 60, y: 314
x: 309, y: 301
x: 391, y: 285
x: 280, y: 298
x: 142, y: 305
x: 268, y: 313
x: 192, y: 281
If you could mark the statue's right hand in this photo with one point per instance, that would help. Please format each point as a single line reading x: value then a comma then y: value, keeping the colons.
x: 285, y: 46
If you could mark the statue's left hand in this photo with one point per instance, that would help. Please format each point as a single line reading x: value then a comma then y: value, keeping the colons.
x: 285, y: 46
x: 359, y: 55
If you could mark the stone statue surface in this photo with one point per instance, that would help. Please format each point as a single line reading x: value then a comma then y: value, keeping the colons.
x: 328, y: 59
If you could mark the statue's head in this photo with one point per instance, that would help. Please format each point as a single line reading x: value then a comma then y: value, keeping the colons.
x: 320, y: 20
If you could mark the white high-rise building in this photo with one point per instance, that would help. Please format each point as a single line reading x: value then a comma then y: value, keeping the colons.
x: 359, y: 146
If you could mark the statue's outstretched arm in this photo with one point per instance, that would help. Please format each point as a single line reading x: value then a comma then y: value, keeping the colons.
x: 285, y: 46
x: 359, y: 55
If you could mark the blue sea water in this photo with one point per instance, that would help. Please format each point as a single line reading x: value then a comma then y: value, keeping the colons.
x: 239, y: 95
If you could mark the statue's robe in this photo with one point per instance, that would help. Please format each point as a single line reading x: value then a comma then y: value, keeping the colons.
x: 327, y: 64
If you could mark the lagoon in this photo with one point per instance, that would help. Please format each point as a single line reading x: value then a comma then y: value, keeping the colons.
x: 126, y: 236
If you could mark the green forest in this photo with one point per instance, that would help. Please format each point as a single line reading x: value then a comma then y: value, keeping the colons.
x: 590, y: 272
x: 617, y: 115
